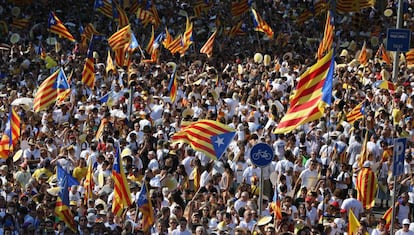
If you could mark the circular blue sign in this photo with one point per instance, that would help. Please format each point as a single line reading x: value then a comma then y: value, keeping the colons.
x: 261, y: 155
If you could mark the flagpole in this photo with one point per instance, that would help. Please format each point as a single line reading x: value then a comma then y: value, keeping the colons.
x: 395, y: 66
x: 393, y: 205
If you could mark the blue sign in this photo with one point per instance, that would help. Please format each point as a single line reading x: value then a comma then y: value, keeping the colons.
x: 399, y: 156
x: 261, y: 155
x: 398, y: 40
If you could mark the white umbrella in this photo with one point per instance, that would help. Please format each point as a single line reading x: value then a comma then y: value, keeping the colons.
x: 26, y: 102
x: 118, y: 113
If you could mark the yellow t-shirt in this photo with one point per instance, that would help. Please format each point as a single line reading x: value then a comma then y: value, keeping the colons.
x: 41, y: 171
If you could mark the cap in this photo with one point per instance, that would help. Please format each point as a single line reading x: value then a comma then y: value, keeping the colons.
x: 406, y: 221
x: 343, y: 211
x: 308, y: 199
x: 335, y: 204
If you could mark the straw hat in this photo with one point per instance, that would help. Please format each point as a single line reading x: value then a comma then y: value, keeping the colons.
x: 258, y: 58
x: 17, y: 155
x: 264, y: 220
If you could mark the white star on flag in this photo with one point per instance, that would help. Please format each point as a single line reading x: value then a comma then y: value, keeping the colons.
x: 219, y: 141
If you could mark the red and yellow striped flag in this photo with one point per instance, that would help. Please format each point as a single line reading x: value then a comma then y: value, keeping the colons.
x: 145, y: 206
x: 11, y: 134
x: 50, y: 89
x: 364, y: 151
x: 122, y: 194
x: 120, y: 38
x: 409, y: 57
x: 363, y: 57
x: 168, y: 39
x: 356, y: 113
x: 387, y: 216
x: 236, y: 30
x: 328, y: 36
x: 207, y: 136
x: 150, y: 42
x: 101, y: 128
x: 122, y: 16
x: 353, y: 5
x: 56, y: 26
x: 88, y: 73
x: 88, y: 184
x: 21, y: 23
x: 367, y: 186
x: 239, y: 8
x: 382, y: 54
x: 208, y: 46
x: 175, y: 46
x: 313, y: 92
x: 261, y: 25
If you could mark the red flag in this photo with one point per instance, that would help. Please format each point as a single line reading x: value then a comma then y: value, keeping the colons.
x: 208, y: 46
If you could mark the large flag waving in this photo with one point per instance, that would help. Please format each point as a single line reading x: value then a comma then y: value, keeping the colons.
x: 207, y: 136
x: 275, y: 205
x: 120, y: 38
x: 313, y: 92
x: 363, y: 56
x: 144, y: 205
x: 62, y: 174
x: 208, y: 46
x: 261, y: 25
x: 122, y: 195
x: 56, y: 26
x: 367, y: 186
x: 10, y: 135
x: 49, y: 90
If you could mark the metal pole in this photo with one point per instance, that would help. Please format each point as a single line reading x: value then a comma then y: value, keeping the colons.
x: 393, y: 206
x: 395, y: 66
x: 261, y: 192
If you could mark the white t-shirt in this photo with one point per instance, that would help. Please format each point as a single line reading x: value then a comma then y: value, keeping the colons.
x: 401, y: 232
x: 354, y: 205
x: 309, y: 178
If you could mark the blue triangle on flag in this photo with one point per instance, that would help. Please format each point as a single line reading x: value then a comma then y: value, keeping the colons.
x: 61, y: 81
x: 220, y: 142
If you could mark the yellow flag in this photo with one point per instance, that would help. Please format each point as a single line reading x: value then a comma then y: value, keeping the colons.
x: 354, y: 224
x: 110, y: 63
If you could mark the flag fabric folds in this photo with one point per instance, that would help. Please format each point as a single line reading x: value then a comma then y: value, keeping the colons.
x: 11, y: 134
x: 382, y: 54
x: 187, y: 38
x: 144, y: 205
x: 120, y: 38
x: 384, y: 84
x: 353, y: 5
x: 101, y: 128
x: 104, y: 7
x: 62, y: 210
x: 364, y: 151
x: 56, y: 26
x: 363, y: 57
x: 89, y: 184
x: 275, y: 206
x: 173, y: 86
x: 367, y: 186
x: 49, y: 90
x: 353, y: 223
x: 409, y: 57
x: 328, y: 36
x: 109, y: 63
x: 63, y: 95
x: 240, y: 7
x: 208, y: 46
x: 20, y: 23
x: 207, y: 136
x: 88, y: 73
x: 200, y: 7
x: 313, y: 92
x: 122, y: 195
x: 237, y: 30
x: 122, y: 16
x: 261, y: 25
x: 356, y: 113
x: 387, y: 216
x: 150, y: 42
x: 62, y: 174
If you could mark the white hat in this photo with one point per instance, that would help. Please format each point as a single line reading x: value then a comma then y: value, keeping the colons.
x: 406, y: 221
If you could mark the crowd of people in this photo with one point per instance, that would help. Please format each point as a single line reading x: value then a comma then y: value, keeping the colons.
x: 315, y: 168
